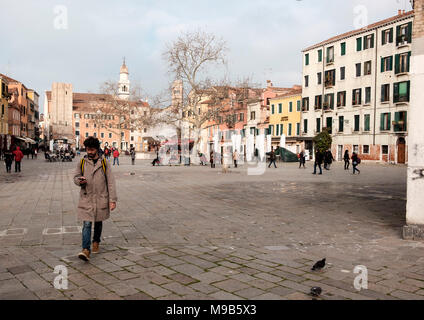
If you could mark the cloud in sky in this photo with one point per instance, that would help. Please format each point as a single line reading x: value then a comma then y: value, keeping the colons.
x: 264, y: 37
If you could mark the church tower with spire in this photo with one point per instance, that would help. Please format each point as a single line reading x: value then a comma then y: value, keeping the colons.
x: 124, y: 82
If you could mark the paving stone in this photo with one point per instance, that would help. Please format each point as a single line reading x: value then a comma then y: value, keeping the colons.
x: 183, y: 279
x: 268, y: 296
x: 405, y: 295
x: 154, y: 291
x: 222, y: 295
x: 103, y: 278
x: 203, y: 287
x: 6, y: 276
x: 188, y: 269
x: 262, y: 284
x: 268, y: 277
x: 230, y: 285
x: 139, y: 296
x: 224, y: 271
x: 122, y: 289
x: 249, y: 292
x: 178, y: 288
x: 20, y: 269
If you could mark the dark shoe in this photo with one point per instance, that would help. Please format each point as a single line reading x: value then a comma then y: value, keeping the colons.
x: 84, y: 255
x: 320, y: 173
x: 95, y: 247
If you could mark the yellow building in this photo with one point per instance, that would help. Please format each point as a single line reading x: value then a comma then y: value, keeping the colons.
x: 284, y: 119
x: 4, y: 111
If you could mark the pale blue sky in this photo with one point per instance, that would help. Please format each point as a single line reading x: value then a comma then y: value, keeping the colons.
x: 264, y: 37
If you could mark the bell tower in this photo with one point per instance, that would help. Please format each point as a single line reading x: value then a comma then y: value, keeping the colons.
x: 124, y: 82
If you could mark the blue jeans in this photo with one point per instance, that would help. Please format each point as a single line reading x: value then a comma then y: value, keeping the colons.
x: 86, y: 233
x: 115, y: 160
x: 315, y: 168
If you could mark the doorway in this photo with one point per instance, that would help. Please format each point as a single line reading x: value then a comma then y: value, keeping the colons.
x: 401, y: 151
x: 340, y: 152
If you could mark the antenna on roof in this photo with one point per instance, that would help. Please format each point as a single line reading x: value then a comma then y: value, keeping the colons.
x: 124, y: 60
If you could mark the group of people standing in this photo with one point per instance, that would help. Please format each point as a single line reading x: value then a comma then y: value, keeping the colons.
x: 10, y: 156
x: 111, y: 151
x: 327, y: 158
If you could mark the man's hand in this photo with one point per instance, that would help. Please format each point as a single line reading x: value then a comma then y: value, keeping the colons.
x: 112, y: 205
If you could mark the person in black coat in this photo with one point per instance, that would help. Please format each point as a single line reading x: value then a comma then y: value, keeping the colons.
x: 319, y: 157
x: 302, y: 159
x: 346, y: 159
x: 355, y: 162
x: 328, y: 159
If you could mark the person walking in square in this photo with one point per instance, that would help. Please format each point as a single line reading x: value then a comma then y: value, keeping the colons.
x: 8, y: 159
x: 328, y: 159
x: 18, y: 158
x: 318, y: 162
x: 235, y: 158
x: 115, y: 156
x: 97, y: 195
x: 346, y: 159
x: 302, y: 159
x: 132, y: 151
x: 272, y: 158
x: 355, y: 161
x: 211, y: 159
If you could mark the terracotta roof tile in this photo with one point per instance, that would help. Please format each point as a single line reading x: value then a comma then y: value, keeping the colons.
x: 363, y: 30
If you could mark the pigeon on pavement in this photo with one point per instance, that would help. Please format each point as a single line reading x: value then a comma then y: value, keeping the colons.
x: 319, y: 265
x: 316, y: 291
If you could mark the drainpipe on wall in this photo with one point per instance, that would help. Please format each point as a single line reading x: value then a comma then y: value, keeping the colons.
x: 375, y: 85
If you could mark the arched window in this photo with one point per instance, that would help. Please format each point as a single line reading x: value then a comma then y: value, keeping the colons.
x: 124, y: 88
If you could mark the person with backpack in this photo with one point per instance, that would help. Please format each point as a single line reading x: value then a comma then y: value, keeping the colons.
x: 346, y: 159
x: 328, y: 159
x: 115, y: 156
x: 302, y: 159
x: 97, y: 196
x: 355, y: 161
x: 18, y: 158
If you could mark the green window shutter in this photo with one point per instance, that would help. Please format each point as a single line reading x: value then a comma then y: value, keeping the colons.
x: 367, y: 122
x: 290, y: 106
x: 272, y: 109
x: 391, y: 35
x: 405, y: 120
x: 343, y: 48
x: 280, y: 108
x: 409, y: 61
x: 319, y: 55
x: 282, y: 129
x: 307, y: 59
x: 277, y: 130
x: 297, y: 129
x: 298, y: 105
x: 372, y: 40
x: 409, y: 32
x: 408, y: 89
x: 397, y: 34
x: 391, y: 63
x: 389, y: 127
x: 395, y: 92
x: 397, y: 116
x: 382, y: 64
x: 358, y: 44
x: 365, y: 43
x: 382, y: 37
x: 381, y: 121
x: 382, y: 93
x: 397, y: 63
x: 290, y: 129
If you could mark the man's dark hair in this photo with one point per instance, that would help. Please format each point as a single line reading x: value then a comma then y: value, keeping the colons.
x: 92, y: 142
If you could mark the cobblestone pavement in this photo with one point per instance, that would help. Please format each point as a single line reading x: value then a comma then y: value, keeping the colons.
x: 197, y: 233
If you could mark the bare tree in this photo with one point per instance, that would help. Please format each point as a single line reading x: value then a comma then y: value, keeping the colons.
x: 189, y: 59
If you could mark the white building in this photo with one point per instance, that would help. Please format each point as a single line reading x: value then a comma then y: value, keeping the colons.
x: 357, y: 85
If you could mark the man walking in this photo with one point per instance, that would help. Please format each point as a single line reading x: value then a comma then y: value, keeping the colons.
x: 355, y: 161
x: 211, y: 159
x: 132, y: 156
x: 235, y: 157
x: 302, y: 159
x: 97, y: 195
x: 115, y: 156
x: 272, y: 158
x: 346, y: 159
x: 318, y: 161
x: 328, y: 159
x: 8, y: 159
x: 18, y: 158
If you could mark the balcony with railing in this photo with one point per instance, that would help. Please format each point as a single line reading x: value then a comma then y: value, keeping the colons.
x: 399, y: 126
